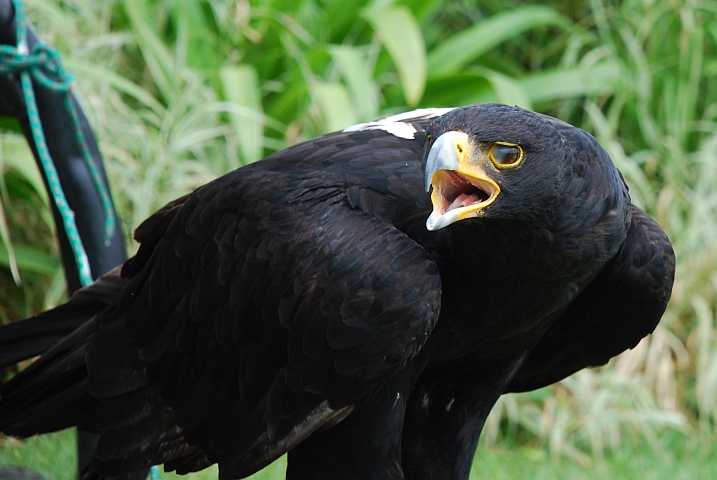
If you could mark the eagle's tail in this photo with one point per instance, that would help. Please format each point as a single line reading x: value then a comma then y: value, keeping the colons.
x: 118, y: 402
x: 52, y: 393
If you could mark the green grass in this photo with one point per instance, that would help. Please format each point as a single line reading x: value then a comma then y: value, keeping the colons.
x: 53, y: 455
x: 682, y: 457
x: 679, y: 457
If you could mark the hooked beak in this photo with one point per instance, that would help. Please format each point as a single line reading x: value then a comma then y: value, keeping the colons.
x: 461, y: 187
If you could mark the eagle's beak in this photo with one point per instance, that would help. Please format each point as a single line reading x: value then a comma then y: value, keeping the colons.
x: 461, y: 187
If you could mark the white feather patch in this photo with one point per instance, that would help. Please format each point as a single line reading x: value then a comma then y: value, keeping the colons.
x: 400, y: 125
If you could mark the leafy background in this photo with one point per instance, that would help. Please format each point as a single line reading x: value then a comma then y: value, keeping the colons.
x: 181, y: 91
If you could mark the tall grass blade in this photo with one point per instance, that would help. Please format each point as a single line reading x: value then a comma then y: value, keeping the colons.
x: 155, y: 53
x: 454, y: 53
x: 27, y: 258
x: 116, y: 81
x: 8, y: 256
x: 15, y: 155
x: 197, y: 43
x: 706, y: 361
x: 240, y: 85
x: 355, y: 72
x: 335, y: 105
x: 507, y: 89
x: 561, y: 83
x: 399, y: 32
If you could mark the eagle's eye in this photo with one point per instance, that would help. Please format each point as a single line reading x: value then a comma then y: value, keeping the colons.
x: 505, y: 154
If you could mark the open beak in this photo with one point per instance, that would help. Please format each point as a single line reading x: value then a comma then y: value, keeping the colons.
x: 461, y: 188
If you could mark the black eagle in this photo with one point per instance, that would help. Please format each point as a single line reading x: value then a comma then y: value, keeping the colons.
x: 359, y: 300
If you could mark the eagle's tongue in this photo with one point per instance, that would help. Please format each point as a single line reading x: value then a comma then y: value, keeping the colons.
x: 463, y: 200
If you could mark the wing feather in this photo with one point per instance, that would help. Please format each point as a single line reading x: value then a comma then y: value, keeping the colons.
x: 622, y: 305
x: 265, y: 305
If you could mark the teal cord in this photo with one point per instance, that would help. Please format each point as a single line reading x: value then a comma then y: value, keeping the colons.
x: 42, y: 66
x: 68, y: 216
x: 154, y: 473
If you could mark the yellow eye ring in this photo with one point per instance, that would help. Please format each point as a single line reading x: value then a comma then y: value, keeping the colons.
x: 505, y: 155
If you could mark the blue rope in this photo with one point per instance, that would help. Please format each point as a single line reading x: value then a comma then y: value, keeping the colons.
x: 154, y: 473
x: 43, y: 66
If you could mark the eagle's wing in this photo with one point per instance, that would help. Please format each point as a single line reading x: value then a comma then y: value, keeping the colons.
x: 613, y: 313
x: 263, y: 306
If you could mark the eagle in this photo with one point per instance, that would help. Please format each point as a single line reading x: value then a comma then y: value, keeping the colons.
x: 359, y: 301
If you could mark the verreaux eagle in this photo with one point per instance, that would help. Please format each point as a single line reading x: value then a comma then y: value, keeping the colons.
x: 359, y: 300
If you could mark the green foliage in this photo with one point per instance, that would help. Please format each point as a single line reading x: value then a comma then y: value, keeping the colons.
x: 52, y: 455
x: 678, y: 457
x: 397, y: 29
x: 180, y: 91
x: 55, y: 455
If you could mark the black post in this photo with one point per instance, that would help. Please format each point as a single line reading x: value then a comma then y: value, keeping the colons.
x: 75, y: 178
